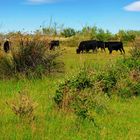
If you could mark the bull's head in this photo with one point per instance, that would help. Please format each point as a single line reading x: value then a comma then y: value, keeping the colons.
x: 77, y: 51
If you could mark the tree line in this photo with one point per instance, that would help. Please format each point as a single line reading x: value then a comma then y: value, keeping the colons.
x: 90, y: 32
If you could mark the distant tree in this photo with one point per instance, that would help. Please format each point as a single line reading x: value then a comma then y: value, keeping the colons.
x: 94, y: 32
x: 68, y: 32
x: 89, y: 32
x: 87, y: 29
x: 126, y: 36
x: 103, y: 35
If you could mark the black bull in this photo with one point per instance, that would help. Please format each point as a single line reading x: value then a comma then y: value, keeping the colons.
x: 115, y: 46
x: 90, y: 45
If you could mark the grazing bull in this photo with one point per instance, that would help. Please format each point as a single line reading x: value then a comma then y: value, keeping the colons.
x: 115, y: 46
x: 6, y: 46
x: 86, y: 46
x: 53, y: 44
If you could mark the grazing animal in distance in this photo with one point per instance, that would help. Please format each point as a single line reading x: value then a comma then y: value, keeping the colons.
x: 6, y: 46
x: 53, y: 44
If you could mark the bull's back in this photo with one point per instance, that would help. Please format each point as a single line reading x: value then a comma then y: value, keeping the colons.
x: 87, y: 45
x: 114, y: 45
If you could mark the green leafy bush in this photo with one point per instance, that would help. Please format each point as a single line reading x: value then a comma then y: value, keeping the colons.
x: 77, y: 83
x: 129, y: 85
x: 128, y: 89
x: 77, y: 94
x: 127, y: 36
x: 88, y: 104
x: 106, y: 80
x: 68, y: 32
x: 133, y: 61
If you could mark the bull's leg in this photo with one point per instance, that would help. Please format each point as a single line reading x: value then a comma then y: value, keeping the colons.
x: 77, y: 51
x: 123, y: 50
x: 87, y: 51
x: 103, y: 49
x: 110, y: 51
x: 95, y: 50
x: 120, y: 50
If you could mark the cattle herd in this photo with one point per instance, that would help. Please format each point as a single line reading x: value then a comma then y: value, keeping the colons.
x: 84, y: 46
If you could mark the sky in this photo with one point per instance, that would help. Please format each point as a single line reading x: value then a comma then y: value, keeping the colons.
x: 29, y: 15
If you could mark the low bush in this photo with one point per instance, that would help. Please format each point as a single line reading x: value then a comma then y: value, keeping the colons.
x: 133, y: 61
x: 77, y: 94
x: 23, y: 107
x: 135, y: 51
x: 107, y: 81
x: 77, y: 83
x: 127, y: 89
x: 68, y: 32
x: 130, y: 85
x: 88, y: 104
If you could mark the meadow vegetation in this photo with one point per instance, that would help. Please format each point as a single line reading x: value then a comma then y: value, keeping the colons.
x: 61, y: 95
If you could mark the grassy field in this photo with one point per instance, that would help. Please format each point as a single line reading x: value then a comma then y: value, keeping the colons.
x: 122, y: 122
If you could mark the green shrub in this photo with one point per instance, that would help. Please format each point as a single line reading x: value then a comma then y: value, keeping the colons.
x: 133, y: 61
x: 107, y: 80
x: 87, y: 104
x: 77, y: 83
x: 129, y: 63
x: 77, y: 94
x: 126, y: 36
x: 135, y: 53
x: 68, y: 32
x: 129, y: 85
x: 129, y: 89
